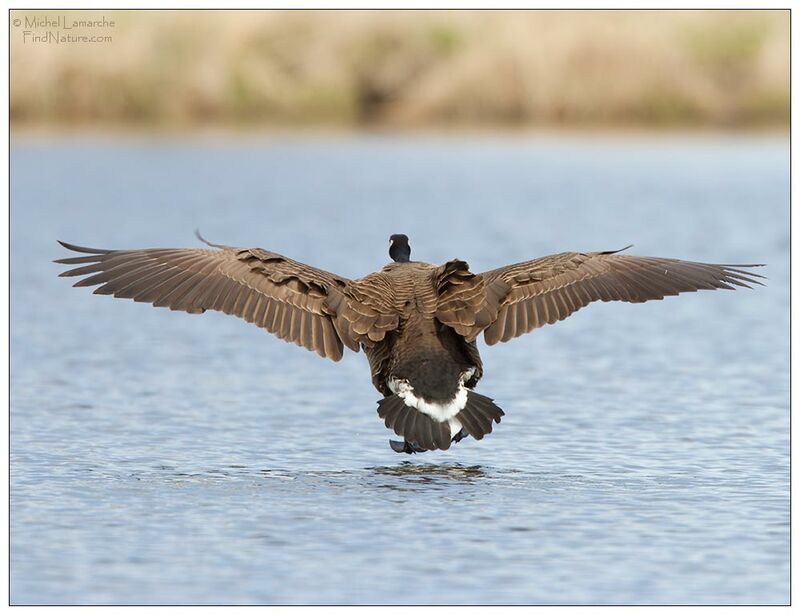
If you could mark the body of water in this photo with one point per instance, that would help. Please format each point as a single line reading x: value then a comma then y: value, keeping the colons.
x: 158, y: 457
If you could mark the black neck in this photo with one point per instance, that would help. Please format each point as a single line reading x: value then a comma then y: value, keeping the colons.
x: 400, y: 254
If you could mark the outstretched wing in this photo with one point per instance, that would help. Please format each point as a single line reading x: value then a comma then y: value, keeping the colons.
x: 283, y: 296
x: 549, y: 289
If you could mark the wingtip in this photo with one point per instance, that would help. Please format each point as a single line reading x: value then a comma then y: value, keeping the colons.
x: 71, y: 246
x: 630, y: 245
x: 746, y: 275
x: 82, y: 249
x: 207, y: 242
x: 63, y: 245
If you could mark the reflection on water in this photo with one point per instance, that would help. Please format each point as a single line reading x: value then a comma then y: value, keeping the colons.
x: 412, y: 477
x: 430, y: 472
x: 158, y: 457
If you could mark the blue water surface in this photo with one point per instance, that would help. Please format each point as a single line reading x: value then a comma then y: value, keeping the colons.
x: 158, y: 457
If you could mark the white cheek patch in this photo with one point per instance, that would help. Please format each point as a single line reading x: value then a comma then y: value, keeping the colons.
x: 440, y: 412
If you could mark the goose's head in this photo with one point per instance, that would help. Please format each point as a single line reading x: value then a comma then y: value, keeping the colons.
x: 399, y: 249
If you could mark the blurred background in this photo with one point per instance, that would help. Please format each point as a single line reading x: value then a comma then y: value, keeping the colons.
x: 406, y: 69
x: 158, y: 457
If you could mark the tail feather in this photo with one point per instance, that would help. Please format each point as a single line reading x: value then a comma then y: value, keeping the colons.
x: 428, y: 433
x: 470, y: 424
x: 478, y: 414
x: 441, y: 435
x: 413, y: 425
x: 400, y: 423
x: 423, y: 432
x: 389, y: 409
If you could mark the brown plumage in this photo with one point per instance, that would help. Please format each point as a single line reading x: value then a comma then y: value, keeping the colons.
x: 417, y: 322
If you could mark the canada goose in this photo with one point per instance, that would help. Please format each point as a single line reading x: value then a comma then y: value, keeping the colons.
x: 416, y: 322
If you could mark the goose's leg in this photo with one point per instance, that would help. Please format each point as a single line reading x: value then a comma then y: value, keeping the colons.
x: 406, y: 447
x: 460, y: 435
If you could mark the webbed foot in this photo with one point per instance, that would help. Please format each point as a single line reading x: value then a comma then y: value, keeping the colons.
x: 406, y: 447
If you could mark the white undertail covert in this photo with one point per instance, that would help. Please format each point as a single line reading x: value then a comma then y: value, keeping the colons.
x: 441, y: 412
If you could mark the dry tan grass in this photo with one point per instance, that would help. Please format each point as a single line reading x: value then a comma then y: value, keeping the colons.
x: 411, y: 68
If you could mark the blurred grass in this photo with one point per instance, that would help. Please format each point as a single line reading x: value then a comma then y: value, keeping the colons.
x: 409, y: 68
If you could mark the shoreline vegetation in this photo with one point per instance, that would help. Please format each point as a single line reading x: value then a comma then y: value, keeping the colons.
x: 384, y: 70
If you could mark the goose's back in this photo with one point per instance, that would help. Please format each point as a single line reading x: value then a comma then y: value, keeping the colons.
x: 419, y: 348
x: 375, y: 305
x: 400, y: 287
